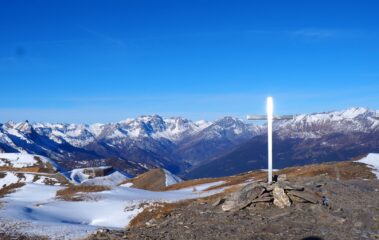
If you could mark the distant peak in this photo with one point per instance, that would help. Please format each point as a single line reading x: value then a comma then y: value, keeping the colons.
x: 354, y: 112
x: 24, y: 126
x: 228, y: 119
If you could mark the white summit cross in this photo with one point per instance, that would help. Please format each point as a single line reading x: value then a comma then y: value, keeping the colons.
x: 269, y: 117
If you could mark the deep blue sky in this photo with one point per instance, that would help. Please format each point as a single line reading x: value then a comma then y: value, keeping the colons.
x: 98, y: 61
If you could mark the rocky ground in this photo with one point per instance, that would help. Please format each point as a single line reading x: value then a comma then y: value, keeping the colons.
x: 351, y: 212
x: 323, y: 201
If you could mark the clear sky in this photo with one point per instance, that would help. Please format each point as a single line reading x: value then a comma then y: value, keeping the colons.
x: 101, y: 61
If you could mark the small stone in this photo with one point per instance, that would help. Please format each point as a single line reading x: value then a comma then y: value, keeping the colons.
x: 296, y: 199
x: 358, y: 224
x: 309, y: 197
x: 282, y: 177
x: 290, y: 187
x: 266, y: 194
x: 341, y: 220
x: 218, y: 202
x: 281, y: 200
x: 263, y: 199
x: 374, y: 236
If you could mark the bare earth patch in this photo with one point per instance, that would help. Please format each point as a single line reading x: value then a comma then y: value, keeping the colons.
x: 70, y: 193
x: 10, y: 188
x: 153, y: 180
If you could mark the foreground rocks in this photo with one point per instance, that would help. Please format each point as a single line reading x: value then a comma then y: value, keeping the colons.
x: 352, y: 213
x: 282, y: 194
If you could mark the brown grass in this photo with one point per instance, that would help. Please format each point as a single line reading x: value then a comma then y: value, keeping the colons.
x: 25, y: 169
x: 157, y: 212
x: 342, y: 170
x: 339, y: 170
x: 153, y: 180
x: 162, y: 210
x: 69, y: 193
x: 229, y: 181
x: 335, y: 170
x: 10, y: 188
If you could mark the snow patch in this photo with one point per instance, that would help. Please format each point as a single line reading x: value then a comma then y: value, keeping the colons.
x: 372, y: 160
x: 36, y: 204
x: 171, y: 179
x: 19, y: 160
x: 77, y: 176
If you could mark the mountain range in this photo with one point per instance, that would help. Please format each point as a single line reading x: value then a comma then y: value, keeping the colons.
x: 197, y: 148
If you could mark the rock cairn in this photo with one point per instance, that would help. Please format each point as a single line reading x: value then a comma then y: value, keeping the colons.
x: 281, y: 193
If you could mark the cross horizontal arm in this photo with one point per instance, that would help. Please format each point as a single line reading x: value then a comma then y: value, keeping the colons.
x: 264, y: 117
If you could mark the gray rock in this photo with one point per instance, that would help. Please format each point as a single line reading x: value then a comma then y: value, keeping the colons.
x: 263, y: 199
x: 243, y: 197
x: 307, y: 196
x: 296, y: 199
x: 288, y: 186
x: 281, y: 200
x: 218, y: 202
x: 282, y: 177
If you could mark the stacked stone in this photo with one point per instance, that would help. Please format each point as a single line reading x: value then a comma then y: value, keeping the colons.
x: 281, y: 193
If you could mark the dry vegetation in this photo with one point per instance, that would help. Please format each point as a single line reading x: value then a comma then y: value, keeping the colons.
x: 10, y: 188
x: 229, y: 181
x: 70, y: 193
x: 157, y: 212
x: 340, y: 171
x: 153, y: 180
x: 162, y: 210
x: 335, y: 170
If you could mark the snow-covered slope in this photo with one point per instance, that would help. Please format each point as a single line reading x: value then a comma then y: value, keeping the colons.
x: 372, y: 160
x: 23, y: 160
x: 113, y: 178
x: 171, y: 179
x: 12, y: 178
x: 318, y: 124
x: 38, y: 211
x: 17, y: 168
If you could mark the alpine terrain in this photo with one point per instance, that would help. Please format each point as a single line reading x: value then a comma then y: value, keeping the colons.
x: 191, y: 149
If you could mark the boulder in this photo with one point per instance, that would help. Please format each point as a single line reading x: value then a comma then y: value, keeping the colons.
x: 243, y: 197
x: 281, y: 199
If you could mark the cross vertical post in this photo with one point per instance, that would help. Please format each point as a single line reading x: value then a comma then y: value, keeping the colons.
x: 270, y: 111
x: 270, y: 118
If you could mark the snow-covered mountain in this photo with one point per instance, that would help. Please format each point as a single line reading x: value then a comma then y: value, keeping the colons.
x: 318, y: 124
x: 177, y: 144
x: 134, y: 145
x: 311, y: 138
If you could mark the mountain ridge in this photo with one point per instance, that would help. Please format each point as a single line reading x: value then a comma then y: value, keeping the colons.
x: 177, y: 144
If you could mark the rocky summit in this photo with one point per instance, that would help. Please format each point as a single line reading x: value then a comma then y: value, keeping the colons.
x: 327, y: 201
